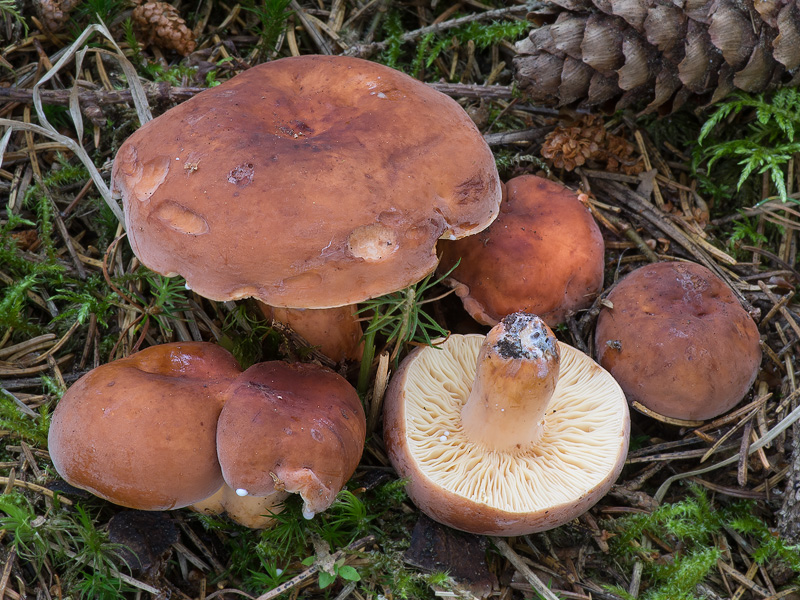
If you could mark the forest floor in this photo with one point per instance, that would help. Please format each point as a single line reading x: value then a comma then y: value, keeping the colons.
x: 700, y: 510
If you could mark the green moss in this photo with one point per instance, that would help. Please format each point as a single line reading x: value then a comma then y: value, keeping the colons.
x: 26, y: 427
x: 694, y: 527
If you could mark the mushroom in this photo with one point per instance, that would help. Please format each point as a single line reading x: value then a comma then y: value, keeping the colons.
x: 141, y: 431
x: 309, y: 182
x: 543, y: 254
x: 251, y: 511
x: 505, y: 434
x: 678, y: 341
x: 297, y: 428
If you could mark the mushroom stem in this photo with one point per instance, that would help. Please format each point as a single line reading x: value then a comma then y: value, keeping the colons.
x: 335, y: 331
x: 516, y: 375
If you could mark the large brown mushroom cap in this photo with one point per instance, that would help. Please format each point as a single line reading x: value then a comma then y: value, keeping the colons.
x: 678, y: 341
x: 306, y: 182
x: 296, y: 427
x: 577, y: 454
x: 543, y: 255
x: 141, y: 431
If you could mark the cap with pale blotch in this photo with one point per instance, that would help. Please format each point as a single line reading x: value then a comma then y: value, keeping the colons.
x: 305, y: 182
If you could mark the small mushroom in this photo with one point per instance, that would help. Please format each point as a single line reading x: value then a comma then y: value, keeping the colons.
x: 297, y: 428
x: 506, y: 434
x: 678, y: 341
x: 543, y: 255
x: 141, y: 431
x: 309, y: 182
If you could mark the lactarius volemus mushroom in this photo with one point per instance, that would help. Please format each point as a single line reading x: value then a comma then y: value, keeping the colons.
x: 296, y: 428
x: 505, y: 434
x: 141, y: 431
x: 543, y: 255
x: 678, y: 341
x: 309, y: 182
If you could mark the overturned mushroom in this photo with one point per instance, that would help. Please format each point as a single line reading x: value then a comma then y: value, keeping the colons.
x: 296, y: 428
x: 506, y: 434
x: 678, y: 341
x: 141, y: 431
x: 309, y: 182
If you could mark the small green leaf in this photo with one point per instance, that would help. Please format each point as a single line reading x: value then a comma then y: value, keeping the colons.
x: 307, y: 562
x: 325, y: 579
x: 349, y: 573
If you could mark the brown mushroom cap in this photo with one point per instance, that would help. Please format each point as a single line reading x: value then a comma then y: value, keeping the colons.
x: 543, y: 255
x: 141, y: 431
x: 678, y: 341
x: 306, y: 182
x: 297, y: 427
x: 576, y: 449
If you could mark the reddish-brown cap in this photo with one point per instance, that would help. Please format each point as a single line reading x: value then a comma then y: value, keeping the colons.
x: 306, y: 182
x: 678, y: 341
x: 297, y: 427
x: 140, y: 431
x: 543, y: 255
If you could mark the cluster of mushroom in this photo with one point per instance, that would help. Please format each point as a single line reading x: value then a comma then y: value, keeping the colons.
x: 309, y: 183
x: 180, y: 424
x: 475, y: 425
x: 360, y: 171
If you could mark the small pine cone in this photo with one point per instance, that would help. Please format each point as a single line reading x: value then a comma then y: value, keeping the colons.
x: 163, y: 27
x: 570, y: 147
x: 659, y: 53
x: 587, y: 140
x: 55, y: 13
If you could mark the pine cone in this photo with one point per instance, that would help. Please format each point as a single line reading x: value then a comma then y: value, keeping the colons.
x: 619, y: 156
x: 570, y: 147
x: 587, y: 140
x: 619, y: 53
x: 54, y: 13
x: 163, y: 27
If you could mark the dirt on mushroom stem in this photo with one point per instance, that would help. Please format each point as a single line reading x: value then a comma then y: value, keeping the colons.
x: 501, y: 413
